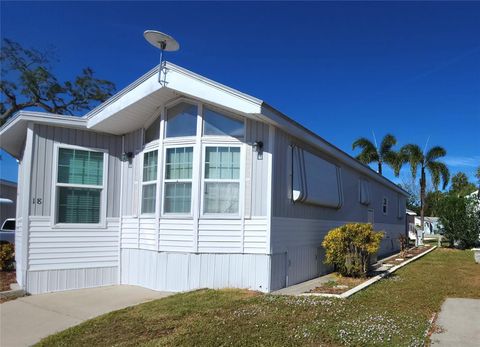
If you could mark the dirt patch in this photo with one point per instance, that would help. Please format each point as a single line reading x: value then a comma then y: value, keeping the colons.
x: 7, y: 278
x: 407, y: 255
x: 339, y: 285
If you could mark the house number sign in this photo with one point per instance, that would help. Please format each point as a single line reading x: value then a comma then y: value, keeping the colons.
x: 37, y: 201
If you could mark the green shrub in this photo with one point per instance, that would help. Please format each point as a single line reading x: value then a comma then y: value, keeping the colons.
x: 460, y: 218
x: 7, y: 256
x: 350, y: 246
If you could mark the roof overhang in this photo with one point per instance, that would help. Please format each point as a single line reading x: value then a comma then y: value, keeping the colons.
x: 270, y: 114
x: 14, y: 132
x: 133, y: 106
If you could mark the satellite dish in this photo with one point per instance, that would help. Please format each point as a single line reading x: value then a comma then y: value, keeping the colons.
x: 162, y: 41
x: 165, y: 43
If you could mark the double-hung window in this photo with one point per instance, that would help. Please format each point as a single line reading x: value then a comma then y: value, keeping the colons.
x: 149, y: 182
x: 221, y: 191
x: 79, y: 186
x: 178, y: 180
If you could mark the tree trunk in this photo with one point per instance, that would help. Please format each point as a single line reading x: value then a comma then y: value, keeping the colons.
x: 423, y: 187
x: 380, y: 167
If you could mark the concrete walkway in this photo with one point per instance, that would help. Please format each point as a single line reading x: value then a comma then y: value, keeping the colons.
x: 458, y: 323
x: 27, y: 320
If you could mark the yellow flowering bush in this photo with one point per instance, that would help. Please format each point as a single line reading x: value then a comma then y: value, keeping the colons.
x: 350, y: 246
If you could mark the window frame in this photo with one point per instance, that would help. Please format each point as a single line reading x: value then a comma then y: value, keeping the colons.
x: 152, y: 148
x: 240, y: 180
x: 228, y: 115
x: 168, y: 106
x: 385, y: 204
x: 55, y: 184
x: 185, y: 180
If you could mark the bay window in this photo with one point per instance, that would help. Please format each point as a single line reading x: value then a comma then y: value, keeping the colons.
x: 182, y: 120
x: 79, y: 186
x: 221, y: 192
x: 149, y: 182
x: 218, y: 124
x: 178, y: 180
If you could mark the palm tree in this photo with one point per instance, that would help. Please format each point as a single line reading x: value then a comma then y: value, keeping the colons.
x: 371, y: 153
x: 414, y: 155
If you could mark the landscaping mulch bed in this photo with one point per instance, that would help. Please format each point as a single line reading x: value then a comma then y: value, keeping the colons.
x: 7, y: 278
x: 408, y: 254
x: 340, y: 284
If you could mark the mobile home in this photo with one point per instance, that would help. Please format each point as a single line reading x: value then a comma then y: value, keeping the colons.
x: 184, y: 184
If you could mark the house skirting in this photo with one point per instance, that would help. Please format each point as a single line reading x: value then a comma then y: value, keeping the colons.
x: 176, y: 272
x: 45, y: 281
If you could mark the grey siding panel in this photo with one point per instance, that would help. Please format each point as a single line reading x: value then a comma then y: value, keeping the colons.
x: 351, y: 209
x: 42, y: 165
x: 257, y: 169
x: 297, y: 230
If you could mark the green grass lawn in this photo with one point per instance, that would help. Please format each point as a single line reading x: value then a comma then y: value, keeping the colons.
x: 393, y: 311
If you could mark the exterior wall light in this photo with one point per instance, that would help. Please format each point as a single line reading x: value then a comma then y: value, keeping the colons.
x: 127, y: 156
x: 258, y: 147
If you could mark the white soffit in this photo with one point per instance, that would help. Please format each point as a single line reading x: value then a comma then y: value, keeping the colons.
x: 132, y: 107
x: 13, y: 133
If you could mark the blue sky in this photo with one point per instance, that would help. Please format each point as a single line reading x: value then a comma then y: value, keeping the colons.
x: 341, y: 69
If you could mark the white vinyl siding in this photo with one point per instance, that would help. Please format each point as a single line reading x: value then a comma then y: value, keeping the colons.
x: 149, y: 182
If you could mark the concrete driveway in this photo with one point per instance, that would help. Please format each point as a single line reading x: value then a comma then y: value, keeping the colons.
x: 458, y: 323
x: 27, y: 320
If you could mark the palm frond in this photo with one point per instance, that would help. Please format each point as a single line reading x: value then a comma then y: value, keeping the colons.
x: 434, y: 153
x: 363, y: 143
x: 412, y: 154
x: 387, y: 143
x: 369, y: 153
x: 395, y: 160
x: 439, y: 170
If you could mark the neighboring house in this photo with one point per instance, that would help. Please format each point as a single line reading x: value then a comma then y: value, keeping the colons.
x: 410, y: 217
x: 8, y: 199
x: 431, y: 225
x: 184, y: 184
x: 475, y: 198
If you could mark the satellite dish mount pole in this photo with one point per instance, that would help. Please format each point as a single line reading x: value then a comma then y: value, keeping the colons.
x: 161, y: 68
x: 164, y: 43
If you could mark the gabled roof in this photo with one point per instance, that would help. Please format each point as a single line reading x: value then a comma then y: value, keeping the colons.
x: 13, y: 132
x: 130, y: 109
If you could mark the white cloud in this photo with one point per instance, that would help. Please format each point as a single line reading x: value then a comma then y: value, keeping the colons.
x: 459, y: 161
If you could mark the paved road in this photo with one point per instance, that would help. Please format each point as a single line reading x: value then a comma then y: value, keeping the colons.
x: 459, y: 323
x: 27, y: 320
